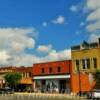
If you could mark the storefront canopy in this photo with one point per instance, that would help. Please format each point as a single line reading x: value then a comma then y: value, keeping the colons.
x: 52, y: 77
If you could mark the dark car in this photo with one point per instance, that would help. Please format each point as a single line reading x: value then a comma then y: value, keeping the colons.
x: 6, y: 91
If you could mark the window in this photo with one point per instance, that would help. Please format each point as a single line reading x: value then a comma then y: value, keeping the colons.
x: 86, y: 63
x: 50, y: 70
x: 77, y: 65
x: 95, y: 62
x: 59, y: 69
x: 83, y: 63
x: 30, y: 74
x: 42, y: 70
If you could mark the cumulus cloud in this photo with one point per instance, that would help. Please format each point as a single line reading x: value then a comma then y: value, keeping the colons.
x: 45, y: 24
x: 93, y: 4
x: 59, y: 20
x: 14, y: 42
x: 74, y: 8
x: 3, y: 57
x: 94, y: 37
x: 53, y: 55
x: 82, y: 24
x: 94, y: 15
x: 44, y: 48
x: 93, y: 19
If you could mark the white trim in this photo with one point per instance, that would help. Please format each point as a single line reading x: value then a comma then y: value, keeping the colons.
x: 52, y: 77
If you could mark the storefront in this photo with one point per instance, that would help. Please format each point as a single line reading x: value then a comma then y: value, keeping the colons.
x: 54, y: 83
x: 52, y: 77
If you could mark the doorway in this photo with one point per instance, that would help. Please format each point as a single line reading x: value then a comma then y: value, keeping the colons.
x: 62, y: 86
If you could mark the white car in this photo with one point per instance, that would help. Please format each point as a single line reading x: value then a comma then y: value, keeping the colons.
x: 94, y: 94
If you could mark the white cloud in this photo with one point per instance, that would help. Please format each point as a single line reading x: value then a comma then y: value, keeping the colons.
x: 94, y: 27
x: 44, y: 48
x: 59, y: 20
x: 45, y: 24
x: 3, y: 57
x: 82, y: 24
x: 61, y: 55
x: 74, y: 8
x: 14, y: 42
x: 93, y: 4
x: 53, y: 55
x: 94, y: 16
x: 94, y: 37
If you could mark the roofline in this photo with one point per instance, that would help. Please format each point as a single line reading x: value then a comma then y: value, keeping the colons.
x: 52, y: 61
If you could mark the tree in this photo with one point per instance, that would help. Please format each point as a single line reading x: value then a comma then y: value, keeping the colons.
x: 97, y: 79
x: 12, y: 79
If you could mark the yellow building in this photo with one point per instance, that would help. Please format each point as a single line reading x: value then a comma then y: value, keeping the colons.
x: 86, y: 57
x: 85, y: 61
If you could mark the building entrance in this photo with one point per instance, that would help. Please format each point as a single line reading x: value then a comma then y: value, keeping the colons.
x: 62, y: 86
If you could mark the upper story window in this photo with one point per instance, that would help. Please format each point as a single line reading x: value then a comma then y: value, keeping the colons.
x: 50, y: 70
x: 30, y: 74
x: 77, y: 65
x: 86, y: 63
x: 42, y: 70
x: 95, y: 62
x: 59, y: 69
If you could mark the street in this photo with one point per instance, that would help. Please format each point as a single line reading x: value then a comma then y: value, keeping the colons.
x: 32, y: 96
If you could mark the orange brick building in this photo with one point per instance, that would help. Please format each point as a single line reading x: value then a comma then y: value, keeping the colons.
x: 85, y: 62
x: 3, y: 71
x: 52, y: 76
x: 25, y: 82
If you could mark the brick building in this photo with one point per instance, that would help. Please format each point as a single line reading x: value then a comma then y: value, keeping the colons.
x: 52, y: 76
x: 3, y: 71
x: 85, y: 62
x: 25, y: 82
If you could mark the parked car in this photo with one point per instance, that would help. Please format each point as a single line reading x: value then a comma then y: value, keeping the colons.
x: 6, y: 91
x: 94, y: 94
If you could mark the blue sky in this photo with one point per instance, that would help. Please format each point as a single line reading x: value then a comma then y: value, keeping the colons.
x: 52, y: 26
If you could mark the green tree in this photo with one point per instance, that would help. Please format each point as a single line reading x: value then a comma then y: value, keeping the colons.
x: 12, y: 79
x: 97, y: 79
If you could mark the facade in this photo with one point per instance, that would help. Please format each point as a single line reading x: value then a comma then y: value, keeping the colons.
x: 3, y: 71
x: 52, y: 76
x: 25, y: 82
x: 85, y: 61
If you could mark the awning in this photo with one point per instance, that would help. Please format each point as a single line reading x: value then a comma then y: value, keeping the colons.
x: 52, y: 77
